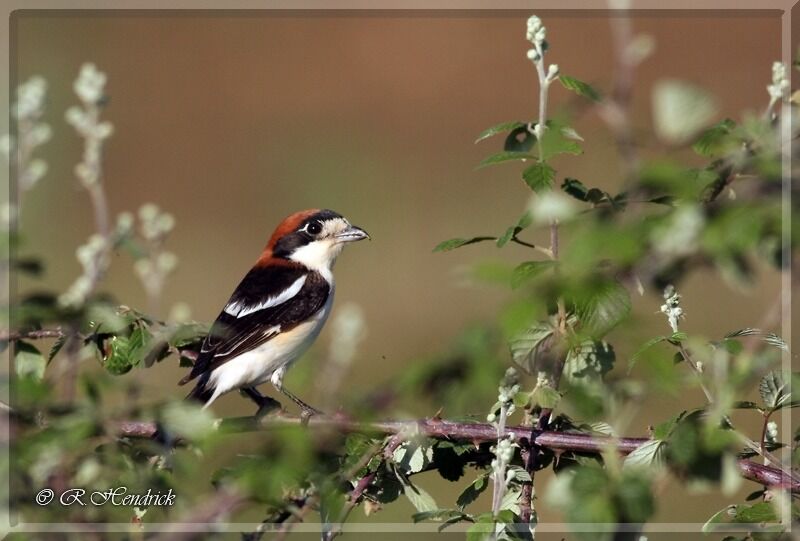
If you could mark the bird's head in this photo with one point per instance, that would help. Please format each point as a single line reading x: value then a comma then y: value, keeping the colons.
x: 313, y: 238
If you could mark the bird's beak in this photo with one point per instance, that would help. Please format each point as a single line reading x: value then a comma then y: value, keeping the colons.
x: 352, y: 234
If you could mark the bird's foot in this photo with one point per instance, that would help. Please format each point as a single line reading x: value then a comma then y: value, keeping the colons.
x: 307, y: 413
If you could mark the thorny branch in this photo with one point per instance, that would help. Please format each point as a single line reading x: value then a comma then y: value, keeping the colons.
x: 459, y: 431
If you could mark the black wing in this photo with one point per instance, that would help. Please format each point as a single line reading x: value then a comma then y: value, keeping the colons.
x: 230, y: 336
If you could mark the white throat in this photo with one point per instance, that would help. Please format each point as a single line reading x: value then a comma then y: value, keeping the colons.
x: 319, y: 255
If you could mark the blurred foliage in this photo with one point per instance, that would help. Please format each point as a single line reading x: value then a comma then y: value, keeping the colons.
x: 568, y: 302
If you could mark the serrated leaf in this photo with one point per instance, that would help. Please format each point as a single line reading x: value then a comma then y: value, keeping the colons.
x: 510, y: 501
x: 714, y: 140
x: 57, y: 345
x: 419, y: 498
x: 520, y: 474
x: 539, y: 176
x: 413, y: 456
x: 452, y: 244
x: 756, y: 513
x: 680, y: 110
x: 506, y: 156
x: 473, y: 490
x: 768, y: 338
x: 773, y: 390
x: 528, y: 345
x: 602, y: 310
x: 648, y: 455
x: 579, y: 87
x: 528, y: 270
x: 499, y: 128
x: 28, y: 361
x: 592, y: 359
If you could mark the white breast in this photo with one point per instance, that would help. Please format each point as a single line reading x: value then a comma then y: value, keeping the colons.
x: 256, y: 366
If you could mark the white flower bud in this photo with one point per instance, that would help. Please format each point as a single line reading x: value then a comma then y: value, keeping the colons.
x: 552, y: 71
x: 533, y: 55
x: 30, y: 98
x: 772, y: 432
x: 90, y: 84
x: 166, y: 262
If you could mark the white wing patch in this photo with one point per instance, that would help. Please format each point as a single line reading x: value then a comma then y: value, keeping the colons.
x: 238, y: 309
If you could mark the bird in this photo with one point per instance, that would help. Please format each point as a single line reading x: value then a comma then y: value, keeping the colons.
x: 275, y: 313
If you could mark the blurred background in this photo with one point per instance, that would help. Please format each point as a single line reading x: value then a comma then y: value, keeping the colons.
x: 232, y: 121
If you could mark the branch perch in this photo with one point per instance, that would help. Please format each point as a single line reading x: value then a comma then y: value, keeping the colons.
x: 461, y: 431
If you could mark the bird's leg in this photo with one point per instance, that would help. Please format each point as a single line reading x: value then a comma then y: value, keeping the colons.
x: 265, y: 403
x: 277, y: 381
x: 308, y: 411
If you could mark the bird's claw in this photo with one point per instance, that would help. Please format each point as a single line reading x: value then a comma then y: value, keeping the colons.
x: 307, y: 413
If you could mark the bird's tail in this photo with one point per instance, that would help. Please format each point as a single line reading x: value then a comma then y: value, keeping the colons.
x: 201, y: 392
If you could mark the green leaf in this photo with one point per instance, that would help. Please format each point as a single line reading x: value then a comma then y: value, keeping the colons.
x: 510, y: 501
x: 28, y: 361
x: 663, y: 430
x: 139, y: 344
x: 419, y: 498
x: 499, y: 128
x: 528, y: 346
x: 539, y: 177
x: 773, y: 390
x: 117, y: 360
x: 756, y: 513
x: 717, y: 518
x: 413, y: 456
x: 579, y: 87
x: 529, y: 270
x: 452, y: 244
x: 607, y: 305
x: 545, y: 396
x: 592, y: 359
x: 648, y: 455
x: 523, y: 222
x: 554, y: 142
x: 506, y: 156
x: 715, y: 140
x: 650, y: 343
x: 473, y: 490
x: 680, y: 110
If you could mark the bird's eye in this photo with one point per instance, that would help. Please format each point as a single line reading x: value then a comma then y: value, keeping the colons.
x: 314, y: 228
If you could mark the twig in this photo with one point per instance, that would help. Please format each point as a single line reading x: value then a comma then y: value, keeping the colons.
x: 38, y: 334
